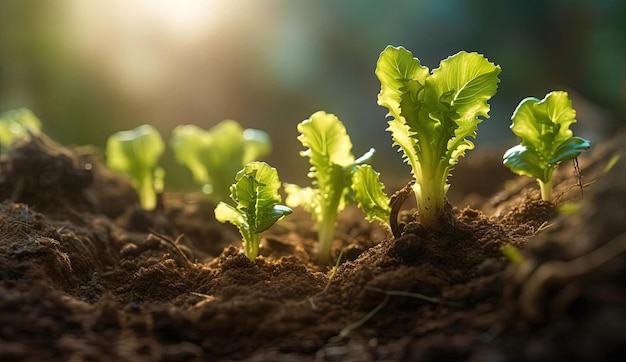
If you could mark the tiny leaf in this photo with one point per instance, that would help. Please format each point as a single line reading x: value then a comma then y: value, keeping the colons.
x: 370, y: 195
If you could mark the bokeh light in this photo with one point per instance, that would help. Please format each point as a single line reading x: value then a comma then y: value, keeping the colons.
x: 89, y: 68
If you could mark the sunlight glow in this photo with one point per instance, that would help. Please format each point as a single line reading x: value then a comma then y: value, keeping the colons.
x: 138, y: 44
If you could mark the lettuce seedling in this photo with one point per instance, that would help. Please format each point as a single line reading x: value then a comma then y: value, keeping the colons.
x: 255, y: 192
x: 15, y: 125
x: 136, y: 153
x: 543, y: 125
x: 329, y: 150
x: 215, y: 156
x: 434, y: 113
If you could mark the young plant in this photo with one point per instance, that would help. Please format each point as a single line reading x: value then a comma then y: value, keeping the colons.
x: 434, y: 113
x: 255, y: 192
x: 215, y: 156
x: 543, y: 125
x: 329, y: 150
x: 15, y: 125
x: 136, y: 153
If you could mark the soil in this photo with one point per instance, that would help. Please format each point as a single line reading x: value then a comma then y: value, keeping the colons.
x: 88, y: 276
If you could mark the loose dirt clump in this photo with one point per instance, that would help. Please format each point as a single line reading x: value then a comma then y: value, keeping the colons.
x: 86, y: 275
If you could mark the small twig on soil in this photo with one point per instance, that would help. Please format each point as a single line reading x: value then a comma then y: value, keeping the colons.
x: 173, y: 243
x: 579, y: 176
x: 403, y: 293
x: 396, y: 201
x: 388, y: 293
x: 346, y: 331
x: 562, y: 193
x: 544, y: 226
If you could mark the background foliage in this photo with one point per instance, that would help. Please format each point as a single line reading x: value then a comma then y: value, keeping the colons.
x: 90, y: 68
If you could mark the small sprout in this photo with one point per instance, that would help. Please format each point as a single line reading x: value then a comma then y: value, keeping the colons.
x: 215, y: 156
x: 136, y: 153
x: 612, y: 162
x: 569, y: 208
x: 16, y: 125
x: 329, y: 150
x: 513, y: 254
x: 255, y: 193
x: 434, y: 113
x: 543, y: 125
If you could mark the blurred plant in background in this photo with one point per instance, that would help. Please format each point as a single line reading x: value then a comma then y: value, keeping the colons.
x: 90, y: 68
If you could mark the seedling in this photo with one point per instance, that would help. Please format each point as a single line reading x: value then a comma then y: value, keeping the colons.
x: 329, y: 150
x: 434, y: 113
x: 255, y: 192
x: 543, y: 125
x: 16, y: 125
x: 215, y: 156
x: 136, y: 153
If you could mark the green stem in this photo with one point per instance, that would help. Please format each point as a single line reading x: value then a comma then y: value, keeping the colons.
x: 145, y: 190
x: 546, y: 190
x: 430, y: 197
x: 325, y: 234
x: 251, y: 245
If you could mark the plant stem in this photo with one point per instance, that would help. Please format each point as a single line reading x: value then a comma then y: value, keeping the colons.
x: 325, y: 234
x: 430, y: 197
x: 145, y: 189
x: 546, y: 190
x: 251, y: 245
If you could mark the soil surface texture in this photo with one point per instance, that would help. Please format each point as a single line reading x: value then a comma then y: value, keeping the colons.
x: 85, y: 275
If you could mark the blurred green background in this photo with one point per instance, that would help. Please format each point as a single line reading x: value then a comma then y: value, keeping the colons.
x: 90, y: 68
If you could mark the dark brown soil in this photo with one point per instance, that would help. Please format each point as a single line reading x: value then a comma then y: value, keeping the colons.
x: 87, y: 276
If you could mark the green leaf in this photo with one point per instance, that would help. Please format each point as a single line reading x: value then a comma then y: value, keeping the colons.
x: 215, y: 156
x: 522, y: 162
x: 329, y: 150
x: 433, y: 116
x: 543, y: 126
x: 255, y: 192
x: 306, y: 197
x: 397, y: 70
x: 17, y: 124
x: 136, y: 153
x: 370, y: 195
x: 226, y: 213
x: 328, y: 144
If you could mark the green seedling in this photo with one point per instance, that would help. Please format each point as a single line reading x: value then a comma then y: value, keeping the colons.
x: 16, y: 125
x: 255, y: 192
x: 434, y: 114
x: 136, y: 153
x: 215, y: 156
x: 329, y: 150
x: 543, y: 125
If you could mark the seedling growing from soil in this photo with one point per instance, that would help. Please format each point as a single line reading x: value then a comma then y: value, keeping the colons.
x: 215, y: 156
x: 136, y: 153
x: 255, y: 192
x: 329, y: 150
x: 543, y: 125
x: 434, y: 113
x: 15, y: 125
